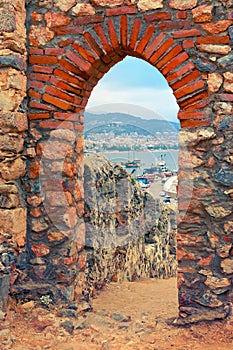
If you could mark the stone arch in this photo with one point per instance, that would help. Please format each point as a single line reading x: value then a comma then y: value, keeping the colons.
x: 71, y: 46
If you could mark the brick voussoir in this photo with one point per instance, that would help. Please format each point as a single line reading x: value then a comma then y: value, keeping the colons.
x: 154, y: 45
x: 189, y: 77
x: 58, y: 102
x: 71, y: 68
x: 104, y: 41
x: 193, y: 115
x: 112, y: 34
x: 93, y: 44
x: 189, y: 101
x: 168, y: 57
x: 145, y: 39
x: 189, y: 89
x: 90, y: 57
x: 83, y: 65
x: 178, y: 73
x: 135, y: 33
x: 165, y: 47
x: 124, y: 31
x: 175, y: 62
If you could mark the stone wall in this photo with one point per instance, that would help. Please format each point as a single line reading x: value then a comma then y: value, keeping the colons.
x: 13, y: 131
x: 129, y: 234
x: 71, y: 45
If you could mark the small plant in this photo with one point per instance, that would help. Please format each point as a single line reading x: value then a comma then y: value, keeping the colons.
x: 46, y: 300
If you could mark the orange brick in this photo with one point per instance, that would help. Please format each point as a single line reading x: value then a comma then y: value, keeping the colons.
x: 173, y: 53
x: 194, y: 123
x: 181, y: 71
x: 58, y: 93
x: 53, y: 51
x: 198, y: 105
x: 213, y: 40
x: 145, y: 39
x: 190, y: 77
x: 80, y: 20
x: 93, y: 44
x: 65, y: 43
x: 112, y: 34
x: 151, y: 48
x: 188, y: 89
x: 84, y: 53
x: 72, y: 68
x: 135, y: 32
x: 169, y: 25
x: 123, y: 10
x: 72, y: 117
x: 78, y: 61
x: 35, y: 84
x: 187, y: 103
x: 36, y: 116
x: 181, y: 15
x: 166, y: 46
x: 192, y: 115
x: 51, y: 124
x: 69, y: 30
x: 186, y: 33
x: 100, y: 32
x: 57, y: 102
x: 42, y: 106
x: 42, y: 60
x: 188, y: 44
x: 157, y: 17
x: 124, y: 31
x: 42, y: 69
x: 33, y: 93
x: 38, y: 76
x: 62, y: 85
x: 175, y: 62
x: 68, y: 78
x: 35, y: 51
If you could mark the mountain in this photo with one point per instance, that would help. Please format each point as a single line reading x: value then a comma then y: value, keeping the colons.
x: 120, y: 123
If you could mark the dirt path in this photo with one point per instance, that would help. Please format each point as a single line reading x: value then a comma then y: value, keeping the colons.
x: 130, y: 316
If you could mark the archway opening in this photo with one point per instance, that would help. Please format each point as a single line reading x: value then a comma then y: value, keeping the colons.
x: 131, y: 203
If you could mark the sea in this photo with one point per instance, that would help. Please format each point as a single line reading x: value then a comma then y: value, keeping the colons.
x: 148, y: 159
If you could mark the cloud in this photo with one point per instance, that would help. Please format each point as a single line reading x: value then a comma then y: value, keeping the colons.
x: 160, y: 101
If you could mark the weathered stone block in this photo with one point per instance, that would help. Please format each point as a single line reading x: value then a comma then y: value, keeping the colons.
x: 83, y: 10
x: 7, y: 18
x: 214, y: 82
x: 183, y: 4
x: 110, y: 3
x: 65, y: 5
x: 147, y: 5
x: 13, y: 221
x: 202, y: 13
x: 13, y: 170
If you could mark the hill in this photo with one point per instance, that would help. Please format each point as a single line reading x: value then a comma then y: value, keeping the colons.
x: 120, y: 123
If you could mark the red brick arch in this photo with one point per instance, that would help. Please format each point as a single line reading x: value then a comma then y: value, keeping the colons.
x: 68, y: 54
x: 79, y: 67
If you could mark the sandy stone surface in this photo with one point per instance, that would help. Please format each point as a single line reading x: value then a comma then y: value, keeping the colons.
x: 131, y: 316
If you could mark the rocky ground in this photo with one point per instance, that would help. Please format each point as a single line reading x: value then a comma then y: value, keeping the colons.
x: 131, y: 316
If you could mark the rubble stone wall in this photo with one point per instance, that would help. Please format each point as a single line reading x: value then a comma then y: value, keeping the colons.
x: 129, y: 234
x: 13, y: 132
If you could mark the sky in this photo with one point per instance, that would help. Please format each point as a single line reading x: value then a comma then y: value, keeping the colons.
x: 135, y: 87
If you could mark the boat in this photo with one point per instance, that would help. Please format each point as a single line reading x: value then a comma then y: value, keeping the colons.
x: 136, y: 163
